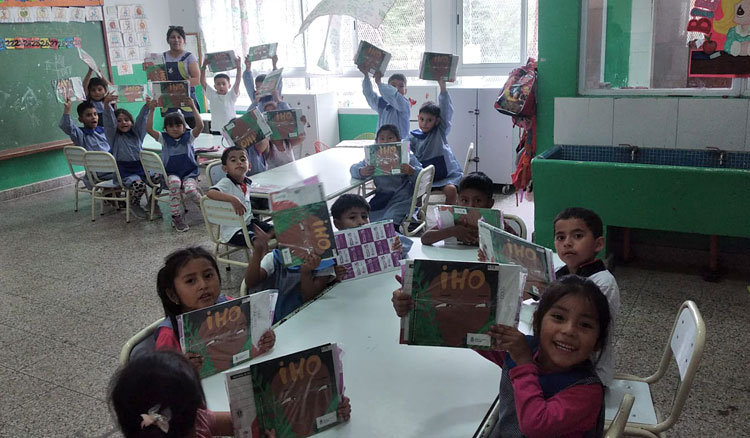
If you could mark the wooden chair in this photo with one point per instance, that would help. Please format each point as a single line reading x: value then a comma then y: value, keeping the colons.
x: 141, y: 342
x: 421, y: 191
x: 98, y: 162
x: 74, y: 157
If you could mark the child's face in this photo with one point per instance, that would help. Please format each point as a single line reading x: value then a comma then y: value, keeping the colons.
x: 124, y: 123
x: 221, y: 86
x: 569, y: 333
x: 427, y: 122
x: 89, y: 118
x: 474, y: 198
x: 270, y: 106
x: 399, y: 85
x: 97, y: 92
x: 575, y: 243
x: 258, y: 84
x: 387, y: 137
x: 196, y: 285
x: 237, y: 165
x: 175, y: 131
x: 352, y: 218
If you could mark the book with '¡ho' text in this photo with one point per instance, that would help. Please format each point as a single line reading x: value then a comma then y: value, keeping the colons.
x: 221, y: 61
x: 155, y: 67
x: 371, y: 58
x: 296, y: 395
x: 226, y: 334
x: 502, y: 247
x: 455, y: 303
x: 271, y: 83
x: 435, y: 66
x: 246, y: 130
x: 263, y: 51
x: 285, y: 124
x: 367, y: 250
x: 387, y: 158
x: 450, y: 215
x: 69, y: 88
x: 130, y: 93
x: 170, y: 94
x: 302, y: 222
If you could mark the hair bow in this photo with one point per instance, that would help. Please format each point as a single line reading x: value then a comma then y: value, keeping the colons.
x: 156, y: 418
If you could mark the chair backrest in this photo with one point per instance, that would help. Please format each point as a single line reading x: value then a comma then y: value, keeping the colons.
x: 516, y: 223
x: 74, y: 157
x: 141, y: 342
x: 469, y: 156
x: 219, y: 213
x: 101, y: 162
x: 214, y: 172
x: 320, y: 146
x: 152, y: 164
x: 617, y: 428
x: 423, y: 187
x: 365, y: 136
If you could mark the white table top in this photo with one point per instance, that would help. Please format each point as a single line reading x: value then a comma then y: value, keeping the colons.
x: 354, y: 143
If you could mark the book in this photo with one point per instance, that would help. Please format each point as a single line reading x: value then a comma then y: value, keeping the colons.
x: 502, y: 247
x: 130, y: 93
x: 263, y: 51
x: 296, y: 395
x: 155, y: 68
x: 302, y: 223
x: 455, y: 303
x: 226, y: 333
x: 371, y: 57
x: 367, y: 250
x: 387, y: 157
x: 69, y: 88
x: 170, y: 94
x: 271, y: 83
x: 88, y: 60
x: 285, y: 124
x: 450, y: 215
x: 221, y: 61
x: 246, y: 130
x: 438, y: 65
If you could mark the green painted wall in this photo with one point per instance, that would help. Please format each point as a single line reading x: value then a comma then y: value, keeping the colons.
x: 617, y: 47
x: 352, y: 125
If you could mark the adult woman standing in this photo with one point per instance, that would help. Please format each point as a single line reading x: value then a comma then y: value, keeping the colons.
x: 181, y: 65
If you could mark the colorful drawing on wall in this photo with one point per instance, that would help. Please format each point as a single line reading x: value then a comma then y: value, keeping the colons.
x: 725, y: 51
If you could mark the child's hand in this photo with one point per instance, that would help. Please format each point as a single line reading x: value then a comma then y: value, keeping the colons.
x: 397, y: 246
x: 466, y: 234
x: 407, y: 169
x: 344, y: 411
x: 312, y: 261
x: 248, y: 63
x: 238, y: 63
x: 441, y: 82
x: 481, y: 256
x: 367, y: 171
x: 238, y: 206
x: 267, y: 341
x: 67, y: 106
x: 274, y: 60
x: 151, y: 103
x: 205, y: 62
x: 260, y: 243
x: 108, y: 99
x: 189, y: 103
x: 196, y: 360
x: 364, y: 70
x: 378, y: 75
x: 275, y: 95
x: 402, y: 303
x: 340, y: 272
x: 506, y: 338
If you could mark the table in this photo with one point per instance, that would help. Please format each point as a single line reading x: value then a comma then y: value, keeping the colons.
x: 202, y: 141
x: 354, y: 143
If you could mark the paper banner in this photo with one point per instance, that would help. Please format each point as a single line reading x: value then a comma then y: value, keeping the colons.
x: 371, y: 12
x: 20, y: 43
x: 53, y: 2
x: 60, y: 15
x: 330, y: 57
x: 124, y: 68
x: 110, y: 12
x: 42, y: 14
x: 6, y: 15
x: 77, y: 15
x: 23, y: 15
x: 94, y: 13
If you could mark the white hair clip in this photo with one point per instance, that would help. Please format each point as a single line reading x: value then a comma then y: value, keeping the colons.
x: 156, y: 418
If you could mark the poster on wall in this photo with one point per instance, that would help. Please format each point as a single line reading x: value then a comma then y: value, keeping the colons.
x: 725, y: 51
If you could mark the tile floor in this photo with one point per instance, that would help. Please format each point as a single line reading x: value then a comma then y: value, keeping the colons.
x: 72, y: 291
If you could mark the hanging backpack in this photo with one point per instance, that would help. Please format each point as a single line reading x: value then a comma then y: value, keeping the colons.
x: 518, y: 96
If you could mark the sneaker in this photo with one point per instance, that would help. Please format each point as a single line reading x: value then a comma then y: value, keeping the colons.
x: 179, y: 224
x: 138, y: 211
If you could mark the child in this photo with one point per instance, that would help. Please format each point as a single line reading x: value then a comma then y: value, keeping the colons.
x: 296, y: 284
x: 252, y: 85
x: 126, y: 140
x: 235, y: 188
x: 178, y: 155
x: 96, y: 90
x: 548, y: 385
x: 257, y: 154
x: 280, y: 152
x: 392, y: 106
x: 393, y: 193
x: 430, y: 144
x: 189, y: 280
x: 578, y: 238
x: 91, y: 137
x: 220, y: 98
x: 160, y: 392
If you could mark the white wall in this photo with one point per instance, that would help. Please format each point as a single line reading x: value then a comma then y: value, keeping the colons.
x: 157, y: 13
x: 183, y: 13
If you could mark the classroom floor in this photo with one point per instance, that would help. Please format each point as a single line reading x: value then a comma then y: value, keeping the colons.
x: 72, y: 292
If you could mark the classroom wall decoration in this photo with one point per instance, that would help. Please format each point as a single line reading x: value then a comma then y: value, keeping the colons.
x: 127, y: 36
x: 725, y: 51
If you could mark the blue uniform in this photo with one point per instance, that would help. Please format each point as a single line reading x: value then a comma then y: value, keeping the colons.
x: 178, y: 155
x: 392, y: 107
x: 89, y: 139
x: 247, y: 78
x: 127, y: 146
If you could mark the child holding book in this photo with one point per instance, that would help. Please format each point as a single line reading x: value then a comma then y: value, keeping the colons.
x: 430, y: 144
x: 235, y: 189
x: 96, y: 91
x: 91, y: 137
x: 578, y: 238
x: 549, y: 386
x: 253, y: 84
x: 392, y: 106
x: 178, y: 155
x: 257, y: 155
x: 221, y: 98
x: 393, y: 193
x: 189, y: 280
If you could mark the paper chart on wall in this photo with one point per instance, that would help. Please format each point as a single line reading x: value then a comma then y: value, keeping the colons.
x: 371, y: 12
x: 94, y: 13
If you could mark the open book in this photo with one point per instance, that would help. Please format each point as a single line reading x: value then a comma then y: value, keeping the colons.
x: 367, y: 250
x: 450, y: 215
x: 69, y: 88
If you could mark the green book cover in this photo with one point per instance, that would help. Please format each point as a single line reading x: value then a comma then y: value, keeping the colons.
x: 387, y: 157
x: 155, y: 68
x: 438, y: 65
x: 221, y: 61
x: 270, y: 83
x: 170, y: 94
x: 130, y: 93
x: 246, y: 130
x: 450, y: 215
x: 263, y: 51
x: 285, y: 124
x: 371, y: 57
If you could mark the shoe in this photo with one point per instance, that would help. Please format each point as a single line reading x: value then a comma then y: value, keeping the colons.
x: 179, y: 224
x: 138, y: 211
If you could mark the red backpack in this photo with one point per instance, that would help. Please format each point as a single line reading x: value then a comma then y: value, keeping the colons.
x: 518, y: 96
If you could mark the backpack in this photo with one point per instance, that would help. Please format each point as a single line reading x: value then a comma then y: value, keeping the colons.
x: 518, y: 96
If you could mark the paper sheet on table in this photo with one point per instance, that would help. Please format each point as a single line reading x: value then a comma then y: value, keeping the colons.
x: 371, y: 12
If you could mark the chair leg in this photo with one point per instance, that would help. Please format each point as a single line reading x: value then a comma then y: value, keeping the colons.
x: 93, y: 207
x: 127, y: 206
x: 75, y: 190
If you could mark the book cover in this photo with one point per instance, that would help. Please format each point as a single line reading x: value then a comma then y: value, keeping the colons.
x: 69, y: 88
x: 263, y: 51
x: 270, y: 83
x: 221, y: 61
x: 285, y: 124
x: 450, y: 215
x: 438, y: 65
x: 170, y: 94
x: 88, y: 60
x: 225, y: 334
x: 387, y: 157
x: 246, y: 130
x: 371, y: 57
x: 367, y: 250
x: 302, y: 223
x: 130, y: 93
x: 455, y: 303
x: 502, y: 247
x: 154, y: 67
x: 295, y: 395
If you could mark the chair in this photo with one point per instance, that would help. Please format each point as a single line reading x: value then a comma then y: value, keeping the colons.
x: 469, y: 156
x: 516, y: 223
x: 214, y: 172
x: 217, y: 214
x: 153, y: 165
x: 617, y: 428
x: 421, y: 190
x: 74, y: 157
x: 320, y: 146
x: 365, y: 136
x: 97, y: 162
x: 141, y: 342
x: 686, y: 344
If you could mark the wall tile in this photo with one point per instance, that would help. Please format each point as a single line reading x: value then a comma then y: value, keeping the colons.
x: 712, y: 122
x: 586, y: 121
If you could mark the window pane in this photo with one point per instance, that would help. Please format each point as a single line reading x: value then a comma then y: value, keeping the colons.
x: 348, y: 90
x: 491, y: 31
x: 532, y: 28
x: 272, y: 21
x: 402, y: 34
